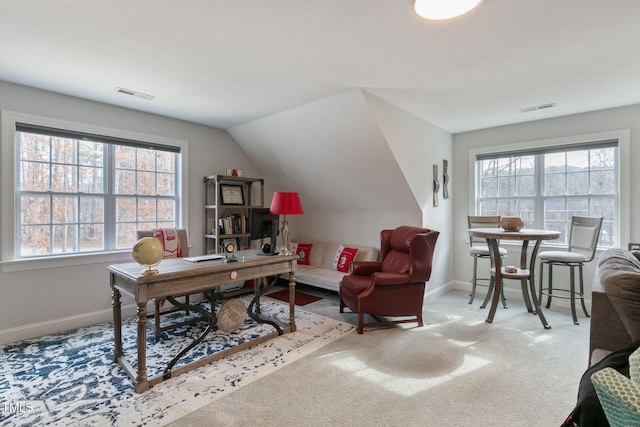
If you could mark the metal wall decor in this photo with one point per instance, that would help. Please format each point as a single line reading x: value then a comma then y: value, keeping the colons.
x: 436, y: 185
x: 445, y: 179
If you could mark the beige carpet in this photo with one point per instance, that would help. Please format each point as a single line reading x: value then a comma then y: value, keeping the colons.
x: 457, y: 370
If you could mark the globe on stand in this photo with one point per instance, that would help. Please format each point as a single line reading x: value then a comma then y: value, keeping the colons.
x: 148, y: 252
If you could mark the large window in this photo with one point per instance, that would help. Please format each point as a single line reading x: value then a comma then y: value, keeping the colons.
x: 78, y: 192
x: 547, y: 186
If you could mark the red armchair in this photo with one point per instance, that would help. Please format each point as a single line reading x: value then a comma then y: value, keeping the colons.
x: 393, y: 286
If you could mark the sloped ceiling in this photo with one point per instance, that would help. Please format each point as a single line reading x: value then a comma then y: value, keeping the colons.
x: 224, y: 63
x: 269, y: 72
x: 332, y: 149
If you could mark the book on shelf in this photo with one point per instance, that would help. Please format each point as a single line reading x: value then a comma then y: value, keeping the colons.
x: 233, y: 224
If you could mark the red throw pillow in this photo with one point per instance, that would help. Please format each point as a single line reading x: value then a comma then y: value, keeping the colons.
x: 304, y: 251
x: 343, y: 259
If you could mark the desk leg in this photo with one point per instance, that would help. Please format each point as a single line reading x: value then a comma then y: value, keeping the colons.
x: 497, y: 290
x: 210, y: 316
x: 254, y: 313
x: 117, y: 322
x: 292, y: 302
x: 142, y: 384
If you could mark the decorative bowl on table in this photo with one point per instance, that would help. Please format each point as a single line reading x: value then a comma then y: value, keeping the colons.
x: 511, y: 223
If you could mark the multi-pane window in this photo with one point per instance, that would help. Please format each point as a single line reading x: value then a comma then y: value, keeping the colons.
x: 145, y: 191
x: 79, y: 193
x: 547, y: 187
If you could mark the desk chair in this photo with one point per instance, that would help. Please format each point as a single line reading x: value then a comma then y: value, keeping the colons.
x: 478, y: 249
x: 583, y: 240
x: 183, y: 251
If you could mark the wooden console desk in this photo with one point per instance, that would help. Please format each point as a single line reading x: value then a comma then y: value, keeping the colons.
x: 178, y: 277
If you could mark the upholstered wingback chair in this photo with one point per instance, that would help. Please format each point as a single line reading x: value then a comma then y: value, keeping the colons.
x: 393, y: 286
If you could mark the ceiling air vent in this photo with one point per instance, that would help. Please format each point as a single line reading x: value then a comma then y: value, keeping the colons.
x: 134, y: 93
x: 538, y: 107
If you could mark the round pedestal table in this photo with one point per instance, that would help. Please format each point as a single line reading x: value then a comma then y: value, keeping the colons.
x: 527, y: 265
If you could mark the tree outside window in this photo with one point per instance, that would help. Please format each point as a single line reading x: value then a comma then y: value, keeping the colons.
x: 548, y: 187
x: 79, y: 195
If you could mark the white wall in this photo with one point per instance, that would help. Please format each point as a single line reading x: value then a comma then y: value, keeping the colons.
x: 358, y: 228
x: 625, y: 118
x: 361, y: 165
x: 332, y: 152
x: 382, y: 142
x: 335, y: 154
x: 40, y: 301
x: 417, y: 145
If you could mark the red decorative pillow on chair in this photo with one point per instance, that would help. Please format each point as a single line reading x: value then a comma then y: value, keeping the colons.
x: 303, y: 250
x: 343, y: 259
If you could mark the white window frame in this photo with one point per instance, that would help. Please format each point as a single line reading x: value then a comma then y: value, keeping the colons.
x: 8, y: 177
x: 623, y: 136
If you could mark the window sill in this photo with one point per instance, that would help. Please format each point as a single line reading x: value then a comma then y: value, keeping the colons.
x: 28, y: 264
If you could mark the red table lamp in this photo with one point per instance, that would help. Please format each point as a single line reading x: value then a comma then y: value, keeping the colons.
x: 286, y: 203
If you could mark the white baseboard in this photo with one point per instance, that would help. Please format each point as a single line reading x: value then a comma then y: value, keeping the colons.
x: 62, y: 324
x: 513, y: 291
x: 431, y: 293
x: 35, y: 330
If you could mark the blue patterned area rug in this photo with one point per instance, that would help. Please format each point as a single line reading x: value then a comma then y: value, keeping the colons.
x: 69, y: 379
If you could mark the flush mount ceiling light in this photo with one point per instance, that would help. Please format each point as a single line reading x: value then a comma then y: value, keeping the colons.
x: 443, y: 9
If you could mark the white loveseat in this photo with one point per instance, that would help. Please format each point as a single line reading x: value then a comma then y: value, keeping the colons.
x: 319, y: 272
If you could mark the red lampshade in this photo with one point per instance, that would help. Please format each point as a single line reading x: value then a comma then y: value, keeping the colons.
x: 286, y: 203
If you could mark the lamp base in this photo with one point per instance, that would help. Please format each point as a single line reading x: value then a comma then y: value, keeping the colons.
x: 285, y: 237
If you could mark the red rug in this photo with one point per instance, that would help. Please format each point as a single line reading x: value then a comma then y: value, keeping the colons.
x: 301, y: 297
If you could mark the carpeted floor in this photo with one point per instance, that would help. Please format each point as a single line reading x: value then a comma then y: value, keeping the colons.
x: 69, y: 379
x: 457, y: 370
